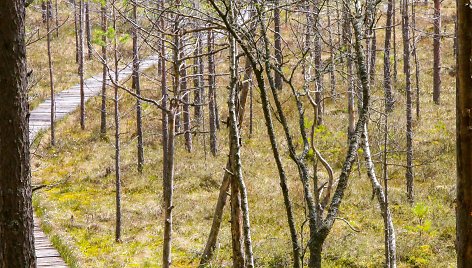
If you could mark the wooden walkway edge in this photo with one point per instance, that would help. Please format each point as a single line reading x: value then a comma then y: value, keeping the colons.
x: 66, y: 102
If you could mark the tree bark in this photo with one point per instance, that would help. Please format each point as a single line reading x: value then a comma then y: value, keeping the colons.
x: 51, y: 80
x: 137, y: 87
x: 211, y: 94
x: 389, y: 101
x: 464, y: 135
x: 88, y: 30
x: 81, y: 63
x: 16, y: 212
x: 103, y: 110
x: 437, y: 52
x: 117, y: 135
x: 277, y: 45
x: 409, y: 126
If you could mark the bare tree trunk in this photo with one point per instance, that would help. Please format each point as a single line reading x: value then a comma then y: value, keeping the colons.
x: 417, y: 62
x: 235, y: 152
x: 373, y: 55
x: 137, y: 87
x: 103, y: 110
x: 409, y: 126
x: 236, y: 225
x: 277, y: 45
x: 390, y: 245
x: 389, y: 101
x: 88, y: 33
x: 16, y: 211
x: 332, y: 49
x: 437, y: 52
x: 198, y: 80
x: 168, y: 191
x: 81, y: 64
x: 318, y: 63
x: 163, y: 72
x: 464, y: 135
x: 76, y: 31
x: 117, y: 135
x: 51, y: 80
x: 350, y: 89
x: 211, y: 94
x: 57, y: 17
x: 394, y: 29
x: 186, y: 100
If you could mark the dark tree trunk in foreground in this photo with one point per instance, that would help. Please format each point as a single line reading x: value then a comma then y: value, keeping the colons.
x: 464, y: 135
x: 16, y: 240
x: 437, y: 52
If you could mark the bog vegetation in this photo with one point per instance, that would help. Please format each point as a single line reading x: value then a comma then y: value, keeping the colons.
x: 323, y: 129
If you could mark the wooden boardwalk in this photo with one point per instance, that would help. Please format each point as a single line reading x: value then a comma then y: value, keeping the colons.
x: 66, y: 102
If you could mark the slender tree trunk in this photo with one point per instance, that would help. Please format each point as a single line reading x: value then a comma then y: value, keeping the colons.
x: 437, y: 52
x: 57, y: 17
x: 16, y: 212
x: 416, y: 59
x: 464, y: 135
x: 76, y: 31
x: 137, y: 87
x: 387, y: 82
x: 390, y: 246
x: 197, y: 80
x: 103, y: 110
x: 409, y: 126
x: 373, y: 56
x: 186, y: 100
x: 277, y: 45
x: 394, y: 29
x: 332, y: 49
x: 117, y: 135
x: 81, y: 64
x: 165, y: 118
x: 318, y: 64
x: 168, y: 190
x: 235, y: 152
x: 211, y: 94
x: 51, y: 80
x: 88, y: 30
x: 350, y: 89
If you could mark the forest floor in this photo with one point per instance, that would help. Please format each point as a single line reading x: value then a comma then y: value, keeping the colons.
x: 78, y: 210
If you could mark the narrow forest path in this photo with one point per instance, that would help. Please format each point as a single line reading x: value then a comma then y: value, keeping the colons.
x: 67, y: 101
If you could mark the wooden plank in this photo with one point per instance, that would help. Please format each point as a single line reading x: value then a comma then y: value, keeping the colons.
x: 66, y: 102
